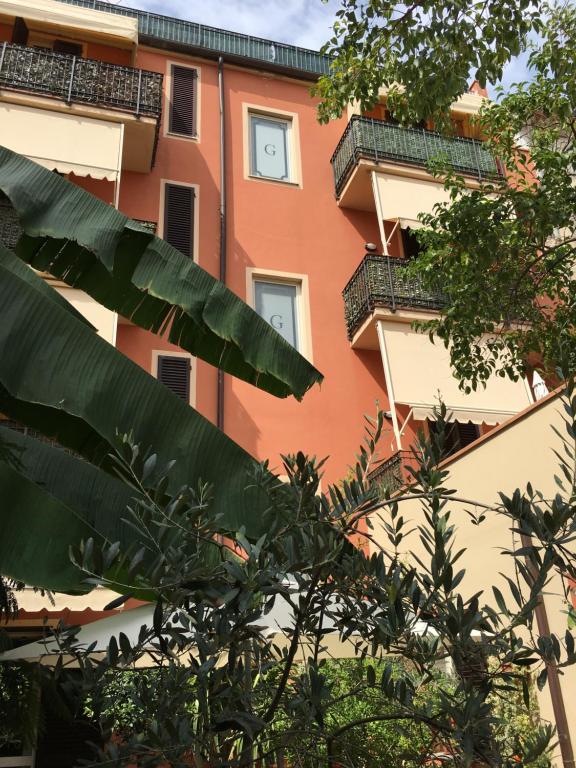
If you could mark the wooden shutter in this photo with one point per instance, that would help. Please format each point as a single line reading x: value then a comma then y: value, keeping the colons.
x: 467, y: 433
x: 182, y: 113
x: 174, y: 373
x: 179, y: 218
x: 458, y: 435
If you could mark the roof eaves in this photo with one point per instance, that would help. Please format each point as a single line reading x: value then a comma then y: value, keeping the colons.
x: 210, y: 42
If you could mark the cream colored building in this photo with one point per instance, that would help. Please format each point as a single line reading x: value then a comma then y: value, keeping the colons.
x: 517, y: 452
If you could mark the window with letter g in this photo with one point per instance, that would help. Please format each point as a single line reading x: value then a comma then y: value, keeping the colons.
x: 270, y: 148
x: 277, y: 303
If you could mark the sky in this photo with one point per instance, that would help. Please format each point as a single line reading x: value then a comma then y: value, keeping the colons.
x: 307, y: 23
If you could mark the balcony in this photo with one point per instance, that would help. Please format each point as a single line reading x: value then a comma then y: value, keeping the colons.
x: 80, y: 81
x: 382, y: 282
x: 367, y: 144
x: 95, y: 89
x: 10, y: 229
x: 393, y: 473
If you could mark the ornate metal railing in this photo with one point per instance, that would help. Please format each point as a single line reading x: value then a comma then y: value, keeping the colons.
x: 370, y: 139
x: 16, y: 426
x: 189, y: 36
x: 383, y: 281
x: 394, y: 472
x: 151, y: 226
x: 77, y: 80
x: 10, y: 230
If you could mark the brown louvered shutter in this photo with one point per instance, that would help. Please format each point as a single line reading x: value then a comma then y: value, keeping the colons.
x: 182, y: 113
x: 467, y: 433
x: 174, y: 373
x: 179, y: 218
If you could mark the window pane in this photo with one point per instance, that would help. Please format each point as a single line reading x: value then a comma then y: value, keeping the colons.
x: 276, y: 303
x: 269, y: 150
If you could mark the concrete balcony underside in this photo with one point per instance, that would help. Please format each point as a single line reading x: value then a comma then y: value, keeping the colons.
x: 59, y: 83
x: 373, y: 145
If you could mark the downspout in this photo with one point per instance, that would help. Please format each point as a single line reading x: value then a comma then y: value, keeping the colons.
x: 223, y: 244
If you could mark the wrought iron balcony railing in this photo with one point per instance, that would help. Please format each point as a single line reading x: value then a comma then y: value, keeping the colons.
x: 77, y: 80
x: 190, y: 37
x: 10, y: 229
x: 370, y: 139
x: 394, y: 472
x: 383, y: 281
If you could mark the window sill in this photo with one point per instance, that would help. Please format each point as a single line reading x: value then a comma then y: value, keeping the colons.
x: 170, y: 135
x: 270, y: 180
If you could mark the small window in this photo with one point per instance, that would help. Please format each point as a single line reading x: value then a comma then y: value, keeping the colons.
x: 277, y: 303
x: 183, y: 101
x: 174, y: 372
x: 179, y: 203
x: 270, y: 147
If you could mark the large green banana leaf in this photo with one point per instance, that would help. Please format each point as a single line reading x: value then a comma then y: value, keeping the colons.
x: 73, y: 501
x: 91, y: 246
x: 58, y: 376
x: 17, y: 266
x: 32, y: 547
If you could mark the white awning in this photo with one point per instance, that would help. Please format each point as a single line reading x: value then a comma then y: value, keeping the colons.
x: 399, y: 197
x: 273, y: 624
x: 67, y: 19
x: 418, y: 373
x: 63, y: 142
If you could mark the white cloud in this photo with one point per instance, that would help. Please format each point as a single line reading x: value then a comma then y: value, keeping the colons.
x: 306, y: 23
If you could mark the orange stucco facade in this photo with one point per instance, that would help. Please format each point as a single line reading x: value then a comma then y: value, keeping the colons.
x: 311, y: 230
x: 307, y: 229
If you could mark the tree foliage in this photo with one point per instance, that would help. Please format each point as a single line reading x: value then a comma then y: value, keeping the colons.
x: 424, y: 52
x: 75, y: 391
x: 236, y: 689
x: 504, y: 253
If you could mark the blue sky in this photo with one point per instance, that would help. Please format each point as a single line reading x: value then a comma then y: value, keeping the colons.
x: 300, y: 22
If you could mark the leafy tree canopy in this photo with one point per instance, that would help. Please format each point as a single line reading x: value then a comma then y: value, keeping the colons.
x: 378, y: 43
x: 505, y: 252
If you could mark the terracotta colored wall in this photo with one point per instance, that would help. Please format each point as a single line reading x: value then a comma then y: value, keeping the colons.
x: 5, y: 33
x: 99, y: 187
x: 278, y: 227
x: 108, y: 53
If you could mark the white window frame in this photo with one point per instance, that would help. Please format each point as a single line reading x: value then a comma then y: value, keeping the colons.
x: 292, y: 137
x: 156, y: 353
x: 166, y: 132
x: 300, y: 281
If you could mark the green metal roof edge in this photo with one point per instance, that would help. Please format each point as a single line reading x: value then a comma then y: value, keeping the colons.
x: 179, y: 34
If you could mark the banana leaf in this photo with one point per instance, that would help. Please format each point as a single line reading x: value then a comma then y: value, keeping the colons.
x: 19, y: 268
x: 36, y: 530
x: 82, y: 502
x: 91, y: 246
x: 59, y: 377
